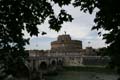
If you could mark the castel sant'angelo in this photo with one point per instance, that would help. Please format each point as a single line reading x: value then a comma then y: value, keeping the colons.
x: 64, y: 43
x: 72, y: 52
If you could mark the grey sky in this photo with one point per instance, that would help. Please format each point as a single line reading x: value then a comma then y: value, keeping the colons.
x: 79, y: 28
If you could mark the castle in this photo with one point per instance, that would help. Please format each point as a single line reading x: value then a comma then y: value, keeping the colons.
x: 71, y: 52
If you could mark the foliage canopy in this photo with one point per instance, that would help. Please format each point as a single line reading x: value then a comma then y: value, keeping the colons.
x: 107, y: 18
x: 18, y: 15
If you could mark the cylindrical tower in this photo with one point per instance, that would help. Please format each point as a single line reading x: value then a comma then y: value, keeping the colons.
x: 64, y: 43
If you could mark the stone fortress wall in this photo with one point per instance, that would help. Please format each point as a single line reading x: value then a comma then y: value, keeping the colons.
x: 72, y: 53
x: 64, y: 43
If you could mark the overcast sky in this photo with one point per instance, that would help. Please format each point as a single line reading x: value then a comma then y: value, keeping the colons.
x: 78, y: 29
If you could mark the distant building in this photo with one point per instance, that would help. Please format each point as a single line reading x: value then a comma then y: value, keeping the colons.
x: 65, y: 44
x: 72, y: 52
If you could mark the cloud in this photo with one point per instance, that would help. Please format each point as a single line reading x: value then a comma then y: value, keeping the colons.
x: 79, y: 28
x: 40, y: 43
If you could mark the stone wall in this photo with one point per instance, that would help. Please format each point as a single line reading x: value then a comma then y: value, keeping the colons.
x: 65, y: 44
